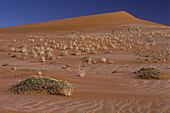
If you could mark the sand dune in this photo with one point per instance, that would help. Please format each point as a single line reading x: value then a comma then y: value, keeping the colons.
x: 78, y: 23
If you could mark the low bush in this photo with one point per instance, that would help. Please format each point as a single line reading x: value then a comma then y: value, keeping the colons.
x: 39, y: 84
x: 150, y: 72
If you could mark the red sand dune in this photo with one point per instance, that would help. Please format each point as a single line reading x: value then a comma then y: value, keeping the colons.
x: 84, y: 22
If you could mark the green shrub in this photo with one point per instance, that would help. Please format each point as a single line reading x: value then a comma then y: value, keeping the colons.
x: 39, y: 84
x: 150, y: 72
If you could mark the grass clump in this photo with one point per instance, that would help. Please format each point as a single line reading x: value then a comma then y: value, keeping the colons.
x: 150, y: 72
x: 87, y: 59
x: 40, y: 84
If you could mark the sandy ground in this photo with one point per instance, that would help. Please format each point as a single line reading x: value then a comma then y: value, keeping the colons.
x: 100, y: 90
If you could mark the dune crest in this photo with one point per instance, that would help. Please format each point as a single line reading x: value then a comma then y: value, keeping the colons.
x: 76, y: 23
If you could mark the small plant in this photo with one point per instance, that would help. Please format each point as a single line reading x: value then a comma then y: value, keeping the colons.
x: 5, y: 64
x: 43, y: 59
x: 93, y: 52
x: 87, y: 50
x: 65, y: 67
x: 150, y: 72
x: 39, y: 84
x: 103, y: 59
x: 9, y: 53
x: 77, y: 52
x: 39, y: 73
x: 17, y: 55
x: 94, y: 61
x: 2, y: 50
x: 82, y: 73
x: 114, y: 72
x: 24, y: 58
x: 14, y: 40
x: 84, y: 65
x: 23, y: 50
x: 109, y: 52
x: 13, y: 68
x: 68, y: 65
x: 87, y: 59
x: 50, y: 56
x: 65, y: 53
x: 147, y: 59
x: 12, y: 49
x: 110, y: 61
x: 35, y: 55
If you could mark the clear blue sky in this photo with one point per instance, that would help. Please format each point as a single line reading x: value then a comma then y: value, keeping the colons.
x: 18, y: 12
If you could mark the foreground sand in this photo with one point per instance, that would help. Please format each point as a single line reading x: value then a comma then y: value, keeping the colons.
x: 100, y: 90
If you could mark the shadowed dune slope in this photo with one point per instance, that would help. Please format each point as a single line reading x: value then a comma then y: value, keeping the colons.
x: 84, y: 22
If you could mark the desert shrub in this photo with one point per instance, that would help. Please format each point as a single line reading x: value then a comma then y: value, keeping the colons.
x: 150, y: 72
x: 50, y: 56
x: 13, y: 68
x: 24, y: 58
x: 84, y: 65
x: 110, y: 61
x: 12, y: 49
x: 94, y: 61
x: 109, y: 52
x: 103, y: 59
x: 87, y: 59
x: 2, y: 50
x: 5, y: 64
x: 17, y: 55
x: 147, y: 59
x: 68, y: 65
x: 77, y: 52
x: 65, y: 53
x: 93, y: 52
x: 9, y: 53
x: 65, y: 67
x: 82, y: 73
x: 39, y: 84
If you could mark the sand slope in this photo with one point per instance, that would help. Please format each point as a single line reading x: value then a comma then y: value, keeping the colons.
x: 77, y: 23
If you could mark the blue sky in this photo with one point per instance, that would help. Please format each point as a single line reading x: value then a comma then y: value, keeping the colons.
x: 19, y: 12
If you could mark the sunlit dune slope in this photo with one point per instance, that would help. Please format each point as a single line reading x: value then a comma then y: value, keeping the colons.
x: 83, y: 22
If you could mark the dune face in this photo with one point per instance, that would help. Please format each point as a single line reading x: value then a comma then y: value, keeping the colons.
x: 98, y: 54
x: 78, y: 23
